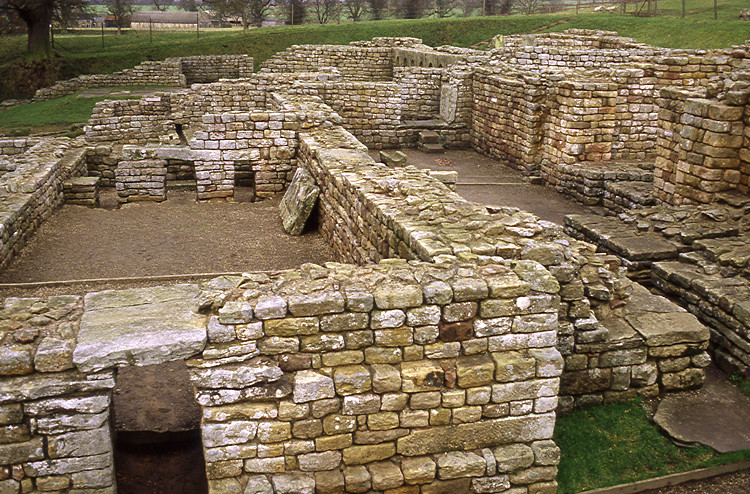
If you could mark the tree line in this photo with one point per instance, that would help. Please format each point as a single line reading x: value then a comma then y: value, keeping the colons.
x: 36, y: 16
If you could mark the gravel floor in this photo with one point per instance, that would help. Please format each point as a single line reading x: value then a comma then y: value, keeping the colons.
x: 731, y: 483
x: 178, y: 236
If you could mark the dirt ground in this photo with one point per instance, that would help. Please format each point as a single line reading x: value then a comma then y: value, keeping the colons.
x: 178, y: 236
x: 731, y: 483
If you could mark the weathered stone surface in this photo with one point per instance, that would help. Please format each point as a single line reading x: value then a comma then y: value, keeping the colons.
x: 258, y: 484
x: 661, y: 329
x: 63, y: 466
x: 311, y: 386
x: 22, y: 452
x: 223, y: 434
x: 54, y: 355
x: 16, y: 361
x: 486, y: 485
x: 298, y: 202
x: 139, y: 326
x: 420, y: 470
x: 84, y: 443
x: 474, y: 371
x: 422, y: 375
x: 457, y: 464
x: 360, y: 455
x: 385, y: 475
x: 513, y: 457
x: 477, y: 435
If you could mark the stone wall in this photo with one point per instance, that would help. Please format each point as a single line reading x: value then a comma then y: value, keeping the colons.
x: 210, y: 68
x: 357, y: 63
x: 369, y: 379
x: 419, y: 91
x: 509, y: 117
x: 176, y: 72
x: 700, y: 147
x: 131, y: 121
x: 33, y: 190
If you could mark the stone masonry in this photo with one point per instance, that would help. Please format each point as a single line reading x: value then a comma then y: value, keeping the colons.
x: 389, y: 371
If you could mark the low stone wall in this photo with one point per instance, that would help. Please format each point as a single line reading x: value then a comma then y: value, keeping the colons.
x: 33, y: 190
x: 721, y: 302
x: 131, y: 121
x: 211, y: 68
x: 357, y: 63
x: 588, y: 183
x: 177, y: 72
x: 142, y: 180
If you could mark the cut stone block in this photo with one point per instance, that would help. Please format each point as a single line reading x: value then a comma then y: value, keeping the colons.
x: 142, y: 326
x: 396, y: 159
x: 298, y: 202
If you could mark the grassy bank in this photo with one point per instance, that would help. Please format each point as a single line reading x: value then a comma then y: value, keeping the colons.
x: 615, y: 444
x: 76, y: 54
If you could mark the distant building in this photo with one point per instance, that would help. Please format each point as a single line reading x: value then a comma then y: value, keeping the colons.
x: 143, y: 19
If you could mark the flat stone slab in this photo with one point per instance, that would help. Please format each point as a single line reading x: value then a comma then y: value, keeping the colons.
x: 141, y: 326
x: 298, y: 202
x: 668, y: 328
x: 717, y: 415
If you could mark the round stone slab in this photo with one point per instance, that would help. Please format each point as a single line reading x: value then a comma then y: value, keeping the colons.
x: 142, y: 326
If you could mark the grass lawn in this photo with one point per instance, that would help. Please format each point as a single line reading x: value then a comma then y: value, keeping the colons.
x: 54, y: 115
x: 614, y: 444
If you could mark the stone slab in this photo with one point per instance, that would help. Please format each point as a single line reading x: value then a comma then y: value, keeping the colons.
x: 717, y: 415
x: 298, y: 202
x: 670, y: 328
x: 142, y: 326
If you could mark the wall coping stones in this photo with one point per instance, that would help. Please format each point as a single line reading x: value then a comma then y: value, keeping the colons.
x: 129, y: 327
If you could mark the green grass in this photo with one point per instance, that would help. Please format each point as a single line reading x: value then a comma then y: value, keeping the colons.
x: 76, y: 54
x: 613, y: 444
x: 52, y: 114
x: 743, y: 383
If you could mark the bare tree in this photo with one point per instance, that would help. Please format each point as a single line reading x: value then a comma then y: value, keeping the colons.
x: 161, y: 5
x: 377, y: 7
x: 529, y: 6
x: 188, y: 5
x: 355, y: 8
x: 258, y: 11
x: 68, y: 12
x: 295, y: 11
x: 324, y: 9
x: 412, y: 9
x: 444, y: 8
x: 120, y: 10
x: 469, y: 6
x: 37, y: 15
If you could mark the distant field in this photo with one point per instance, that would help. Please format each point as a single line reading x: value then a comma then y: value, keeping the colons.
x: 76, y: 54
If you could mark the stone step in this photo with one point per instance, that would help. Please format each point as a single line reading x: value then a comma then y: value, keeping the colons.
x: 181, y: 185
x: 429, y: 137
x: 432, y: 148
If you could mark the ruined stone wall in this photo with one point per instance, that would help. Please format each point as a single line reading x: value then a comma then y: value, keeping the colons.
x: 56, y: 434
x: 131, y: 121
x: 419, y: 91
x: 177, y: 72
x: 699, y: 148
x: 369, y: 379
x: 357, y: 63
x: 33, y: 190
x: 508, y: 118
x: 265, y: 141
x: 210, y: 68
